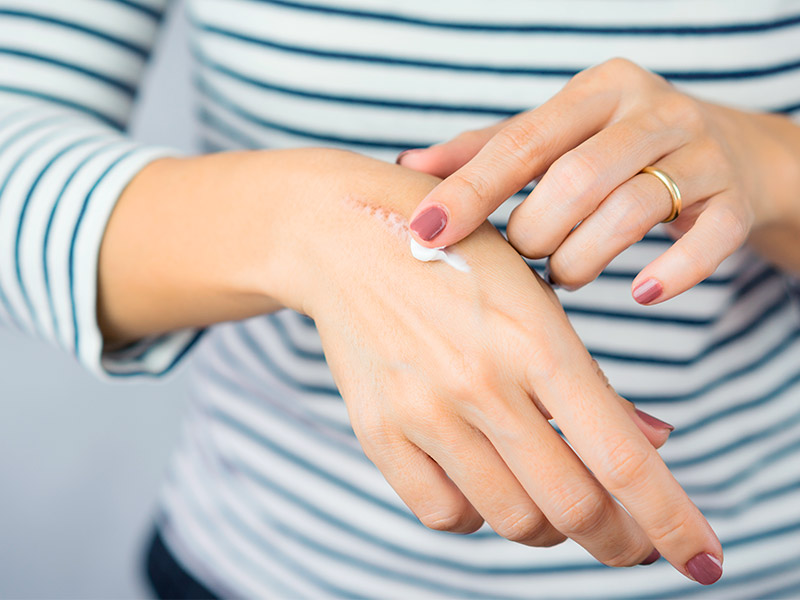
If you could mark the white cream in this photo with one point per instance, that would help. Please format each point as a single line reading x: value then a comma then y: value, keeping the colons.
x: 433, y: 254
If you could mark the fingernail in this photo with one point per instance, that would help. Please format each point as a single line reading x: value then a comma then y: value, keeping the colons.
x: 651, y: 558
x: 653, y: 422
x: 704, y: 568
x: 646, y: 292
x: 403, y: 154
x: 429, y: 223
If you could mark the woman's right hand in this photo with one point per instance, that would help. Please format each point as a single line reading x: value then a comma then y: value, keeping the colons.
x: 449, y: 377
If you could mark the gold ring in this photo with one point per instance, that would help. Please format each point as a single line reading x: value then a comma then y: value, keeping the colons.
x: 674, y: 192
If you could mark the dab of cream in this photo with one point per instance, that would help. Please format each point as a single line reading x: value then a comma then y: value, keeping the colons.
x: 424, y: 254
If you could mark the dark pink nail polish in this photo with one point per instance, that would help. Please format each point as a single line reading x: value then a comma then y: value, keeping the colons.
x: 429, y: 223
x: 651, y: 558
x: 403, y: 154
x: 647, y: 291
x: 704, y: 568
x: 653, y: 422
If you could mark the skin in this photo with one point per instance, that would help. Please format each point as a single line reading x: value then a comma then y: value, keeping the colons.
x: 449, y: 378
x: 738, y: 172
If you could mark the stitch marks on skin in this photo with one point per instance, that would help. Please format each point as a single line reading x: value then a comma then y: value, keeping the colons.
x: 397, y: 225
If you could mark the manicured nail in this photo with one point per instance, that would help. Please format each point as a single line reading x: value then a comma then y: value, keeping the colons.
x: 646, y: 292
x: 704, y: 568
x: 651, y: 558
x: 403, y: 154
x: 653, y: 422
x: 429, y: 223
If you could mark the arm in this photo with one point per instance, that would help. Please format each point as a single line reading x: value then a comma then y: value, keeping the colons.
x: 68, y: 74
x: 738, y: 172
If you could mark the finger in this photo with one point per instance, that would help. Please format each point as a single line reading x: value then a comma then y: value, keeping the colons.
x: 474, y: 465
x: 656, y: 430
x: 512, y: 158
x: 442, y: 160
x: 630, y: 211
x: 577, y: 182
x: 555, y: 478
x: 623, y: 460
x: 720, y: 229
x: 424, y: 487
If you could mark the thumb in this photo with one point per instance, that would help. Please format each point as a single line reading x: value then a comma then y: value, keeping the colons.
x: 442, y: 160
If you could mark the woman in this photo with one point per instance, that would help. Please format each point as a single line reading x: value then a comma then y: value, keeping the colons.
x: 122, y: 253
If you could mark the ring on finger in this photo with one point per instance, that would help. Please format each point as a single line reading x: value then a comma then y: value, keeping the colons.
x: 672, y: 188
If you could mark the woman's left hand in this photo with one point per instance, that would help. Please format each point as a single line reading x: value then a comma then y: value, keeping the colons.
x: 589, y: 144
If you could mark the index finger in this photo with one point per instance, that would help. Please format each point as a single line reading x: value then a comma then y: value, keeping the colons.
x: 515, y: 155
x: 596, y: 425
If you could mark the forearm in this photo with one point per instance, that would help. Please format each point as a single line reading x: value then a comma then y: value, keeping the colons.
x: 222, y: 237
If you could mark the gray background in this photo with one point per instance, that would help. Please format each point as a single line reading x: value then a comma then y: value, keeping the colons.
x: 81, y: 461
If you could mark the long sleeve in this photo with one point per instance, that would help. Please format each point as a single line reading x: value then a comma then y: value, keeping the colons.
x: 68, y: 76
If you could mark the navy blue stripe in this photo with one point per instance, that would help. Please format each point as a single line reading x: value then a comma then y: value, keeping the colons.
x: 21, y: 222
x: 386, y: 543
x: 263, y: 84
x: 557, y: 28
x: 750, y: 502
x: 190, y: 345
x: 96, y: 33
x: 556, y: 72
x: 727, y: 582
x: 73, y: 242
x: 147, y: 11
x: 49, y: 227
x: 119, y: 125
x: 255, y: 348
x: 102, y: 77
x: 733, y: 408
x: 230, y: 105
x: 789, y: 449
x: 8, y: 142
x: 262, y: 400
x: 497, y: 111
x: 209, y: 522
x: 289, y: 343
x: 239, y: 138
x: 309, y: 575
x: 353, y: 560
x: 712, y: 347
x: 736, y: 373
x: 791, y: 590
x: 262, y: 480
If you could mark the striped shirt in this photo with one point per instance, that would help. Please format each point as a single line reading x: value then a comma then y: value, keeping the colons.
x: 270, y: 494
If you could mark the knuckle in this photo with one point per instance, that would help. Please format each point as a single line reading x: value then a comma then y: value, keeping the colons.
x: 521, y: 526
x: 583, y: 514
x: 571, y: 271
x: 572, y: 176
x: 625, y: 466
x: 730, y: 224
x: 473, y: 187
x: 698, y: 264
x: 520, y: 139
x: 526, y: 238
x: 450, y: 519
x: 677, y: 108
x: 623, y: 556
x: 669, y: 529
x: 619, y: 68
